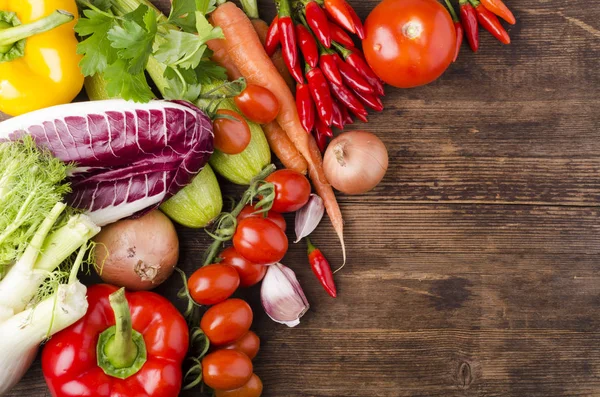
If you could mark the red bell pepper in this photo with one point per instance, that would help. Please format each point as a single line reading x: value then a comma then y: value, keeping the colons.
x: 128, y: 344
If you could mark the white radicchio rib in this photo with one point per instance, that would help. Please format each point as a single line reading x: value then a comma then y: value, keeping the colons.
x: 128, y: 157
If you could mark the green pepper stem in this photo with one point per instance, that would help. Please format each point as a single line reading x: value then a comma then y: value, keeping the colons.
x: 311, y: 247
x: 121, y: 349
x: 344, y: 52
x: 250, y: 8
x: 10, y: 36
x: 284, y: 8
x: 452, y: 11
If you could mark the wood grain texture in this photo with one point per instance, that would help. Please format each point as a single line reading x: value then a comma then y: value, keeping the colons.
x: 474, y: 266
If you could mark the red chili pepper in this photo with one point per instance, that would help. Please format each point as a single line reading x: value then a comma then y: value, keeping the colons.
x: 308, y: 45
x: 457, y: 27
x: 346, y: 114
x: 339, y: 10
x: 319, y: 90
x: 490, y: 22
x: 358, y: 25
x: 329, y: 68
x: 128, y: 344
x: 287, y: 34
x: 321, y: 268
x: 500, y: 9
x: 357, y: 61
x: 468, y: 16
x: 272, y: 41
x: 320, y: 134
x: 346, y: 97
x: 337, y: 34
x: 339, y: 119
x: 317, y: 20
x: 370, y: 100
x: 305, y: 106
x: 352, y: 78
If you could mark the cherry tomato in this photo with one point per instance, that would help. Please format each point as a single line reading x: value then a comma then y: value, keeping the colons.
x: 248, y: 344
x: 226, y: 369
x: 250, y: 273
x: 232, y: 134
x: 258, y: 104
x: 227, y: 321
x: 410, y: 42
x: 273, y: 216
x: 292, y: 190
x: 213, y: 284
x: 260, y: 241
x: 253, y: 388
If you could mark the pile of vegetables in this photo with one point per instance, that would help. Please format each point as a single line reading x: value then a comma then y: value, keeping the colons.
x: 175, y: 101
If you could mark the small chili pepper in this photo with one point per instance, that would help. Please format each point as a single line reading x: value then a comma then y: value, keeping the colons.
x: 337, y: 34
x: 321, y: 268
x: 358, y: 25
x: 305, y: 106
x: 320, y: 135
x: 346, y: 114
x: 318, y: 22
x: 500, y: 9
x: 287, y: 35
x: 346, y: 97
x: 352, y: 78
x: 272, y: 41
x: 370, y: 100
x: 468, y: 17
x: 339, y: 120
x: 490, y: 22
x: 357, y: 61
x: 308, y: 45
x: 329, y: 67
x: 458, y: 27
x: 319, y: 90
x: 339, y: 11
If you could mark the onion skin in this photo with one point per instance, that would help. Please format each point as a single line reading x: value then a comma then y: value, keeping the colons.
x: 355, y: 162
x: 138, y: 254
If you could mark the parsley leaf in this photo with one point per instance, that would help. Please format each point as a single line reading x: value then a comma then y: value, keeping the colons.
x: 96, y: 49
x: 122, y: 83
x: 206, y: 6
x: 134, y: 41
x: 182, y: 84
x: 180, y: 48
x: 208, y: 71
x: 205, y: 30
x: 182, y: 14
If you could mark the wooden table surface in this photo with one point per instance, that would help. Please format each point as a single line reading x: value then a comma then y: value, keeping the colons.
x: 473, y: 267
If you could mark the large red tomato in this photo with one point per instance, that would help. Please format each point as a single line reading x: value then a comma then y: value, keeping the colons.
x: 409, y: 42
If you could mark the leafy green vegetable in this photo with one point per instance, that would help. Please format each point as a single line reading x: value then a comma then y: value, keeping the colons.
x: 31, y: 183
x: 121, y: 41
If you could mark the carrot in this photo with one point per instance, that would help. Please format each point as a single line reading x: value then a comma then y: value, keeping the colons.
x: 247, y: 53
x: 261, y: 29
x: 283, y: 148
x: 278, y: 140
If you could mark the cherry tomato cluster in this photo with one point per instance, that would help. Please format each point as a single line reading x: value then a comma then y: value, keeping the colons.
x: 232, y: 132
x: 336, y: 81
x: 259, y: 241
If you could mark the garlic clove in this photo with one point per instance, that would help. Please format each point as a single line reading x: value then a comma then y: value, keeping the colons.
x: 309, y: 217
x: 282, y: 296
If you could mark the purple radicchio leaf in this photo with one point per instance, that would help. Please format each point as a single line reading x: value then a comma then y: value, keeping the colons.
x: 128, y: 157
x: 309, y: 217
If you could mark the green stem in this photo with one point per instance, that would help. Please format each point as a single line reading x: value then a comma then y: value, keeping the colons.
x: 250, y: 8
x: 341, y: 49
x: 10, y: 36
x: 311, y: 247
x: 121, y: 348
x: 77, y: 264
x: 452, y: 11
x: 284, y: 8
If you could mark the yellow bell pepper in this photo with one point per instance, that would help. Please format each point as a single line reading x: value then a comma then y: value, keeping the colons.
x: 38, y: 58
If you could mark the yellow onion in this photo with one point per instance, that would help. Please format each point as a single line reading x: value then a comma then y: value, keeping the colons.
x: 355, y: 162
